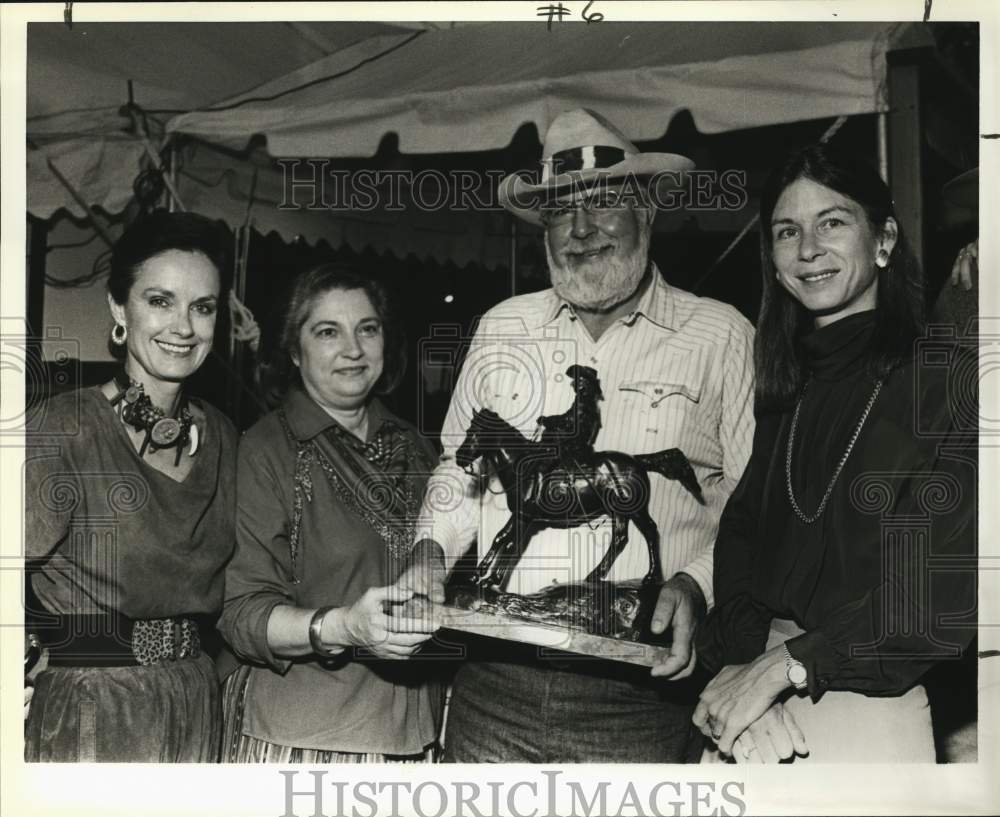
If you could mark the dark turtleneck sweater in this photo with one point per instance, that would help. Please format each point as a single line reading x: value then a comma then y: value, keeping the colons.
x: 883, y: 582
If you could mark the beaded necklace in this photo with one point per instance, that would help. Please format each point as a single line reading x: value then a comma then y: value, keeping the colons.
x: 138, y: 411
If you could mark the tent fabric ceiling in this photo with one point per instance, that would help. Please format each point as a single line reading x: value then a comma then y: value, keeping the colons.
x: 101, y: 169
x: 470, y: 88
x: 77, y: 78
x: 77, y: 84
x: 458, y: 88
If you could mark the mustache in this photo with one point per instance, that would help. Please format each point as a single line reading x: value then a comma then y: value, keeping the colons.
x: 581, y: 248
x: 601, y: 286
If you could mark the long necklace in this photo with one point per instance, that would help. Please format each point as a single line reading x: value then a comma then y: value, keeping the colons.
x: 840, y: 465
x: 138, y: 411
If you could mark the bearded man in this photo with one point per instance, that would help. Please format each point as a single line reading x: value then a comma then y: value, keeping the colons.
x: 676, y: 372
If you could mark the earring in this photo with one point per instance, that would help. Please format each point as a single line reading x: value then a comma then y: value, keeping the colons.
x: 119, y: 334
x: 881, y: 259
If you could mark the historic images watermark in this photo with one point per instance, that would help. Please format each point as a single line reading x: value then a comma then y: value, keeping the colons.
x: 91, y: 553
x: 919, y: 509
x: 48, y: 365
x: 541, y: 793
x: 317, y: 184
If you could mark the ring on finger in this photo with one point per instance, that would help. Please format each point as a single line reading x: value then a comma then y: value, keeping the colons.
x: 747, y: 750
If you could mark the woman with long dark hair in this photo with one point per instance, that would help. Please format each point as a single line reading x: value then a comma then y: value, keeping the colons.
x: 329, y: 487
x: 845, y: 560
x: 130, y: 498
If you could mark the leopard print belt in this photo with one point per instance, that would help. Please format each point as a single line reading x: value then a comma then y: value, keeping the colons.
x: 116, y: 641
x: 165, y: 639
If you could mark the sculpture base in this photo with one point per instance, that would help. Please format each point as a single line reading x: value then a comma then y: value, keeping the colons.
x: 605, y: 619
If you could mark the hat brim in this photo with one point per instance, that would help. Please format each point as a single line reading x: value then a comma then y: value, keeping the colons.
x: 524, y: 199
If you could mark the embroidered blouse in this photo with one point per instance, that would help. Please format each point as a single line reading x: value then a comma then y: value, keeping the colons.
x: 285, y: 463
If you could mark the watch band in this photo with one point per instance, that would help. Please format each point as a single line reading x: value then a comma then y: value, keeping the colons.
x: 795, y: 671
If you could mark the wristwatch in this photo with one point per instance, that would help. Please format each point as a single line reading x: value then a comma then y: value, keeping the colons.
x: 795, y: 671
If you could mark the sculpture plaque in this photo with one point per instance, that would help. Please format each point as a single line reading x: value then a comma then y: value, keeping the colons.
x: 560, y: 481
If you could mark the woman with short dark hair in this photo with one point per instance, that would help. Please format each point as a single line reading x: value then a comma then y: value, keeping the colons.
x: 130, y: 497
x: 329, y: 488
x: 829, y: 607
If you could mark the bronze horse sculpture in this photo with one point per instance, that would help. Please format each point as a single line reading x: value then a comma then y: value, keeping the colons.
x: 576, y: 429
x: 574, y: 487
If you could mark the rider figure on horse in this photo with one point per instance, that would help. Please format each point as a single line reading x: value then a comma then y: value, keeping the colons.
x: 573, y: 432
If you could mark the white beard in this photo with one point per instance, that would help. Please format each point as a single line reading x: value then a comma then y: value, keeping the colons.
x: 597, y: 287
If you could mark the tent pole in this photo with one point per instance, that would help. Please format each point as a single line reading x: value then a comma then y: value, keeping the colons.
x: 38, y: 245
x: 905, y: 130
x: 172, y: 147
x: 242, y: 239
x: 883, y: 146
x: 513, y: 255
x: 237, y: 260
x: 154, y: 157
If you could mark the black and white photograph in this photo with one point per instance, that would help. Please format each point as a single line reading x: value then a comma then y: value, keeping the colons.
x: 577, y: 408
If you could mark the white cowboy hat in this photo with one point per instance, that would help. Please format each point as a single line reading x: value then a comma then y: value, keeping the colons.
x: 582, y: 147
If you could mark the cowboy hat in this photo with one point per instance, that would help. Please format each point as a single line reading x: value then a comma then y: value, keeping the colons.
x: 582, y: 148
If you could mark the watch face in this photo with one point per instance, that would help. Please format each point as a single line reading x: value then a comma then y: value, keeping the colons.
x: 797, y: 674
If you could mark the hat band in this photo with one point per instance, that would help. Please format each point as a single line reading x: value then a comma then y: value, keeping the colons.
x: 583, y: 158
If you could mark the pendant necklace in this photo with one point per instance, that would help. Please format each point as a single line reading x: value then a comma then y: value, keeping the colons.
x: 161, y: 431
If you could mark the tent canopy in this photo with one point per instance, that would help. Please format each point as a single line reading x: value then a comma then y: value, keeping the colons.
x: 470, y: 88
x: 77, y: 79
x: 337, y: 89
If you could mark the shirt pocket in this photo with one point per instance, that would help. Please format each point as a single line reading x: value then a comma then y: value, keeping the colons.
x: 653, y: 393
x: 666, y: 409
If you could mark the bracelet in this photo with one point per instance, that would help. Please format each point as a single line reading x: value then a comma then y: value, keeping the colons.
x: 315, y: 637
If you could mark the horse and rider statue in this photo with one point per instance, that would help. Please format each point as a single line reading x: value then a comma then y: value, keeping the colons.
x: 560, y: 481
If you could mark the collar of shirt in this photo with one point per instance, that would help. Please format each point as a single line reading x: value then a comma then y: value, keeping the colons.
x: 656, y: 305
x: 307, y: 418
